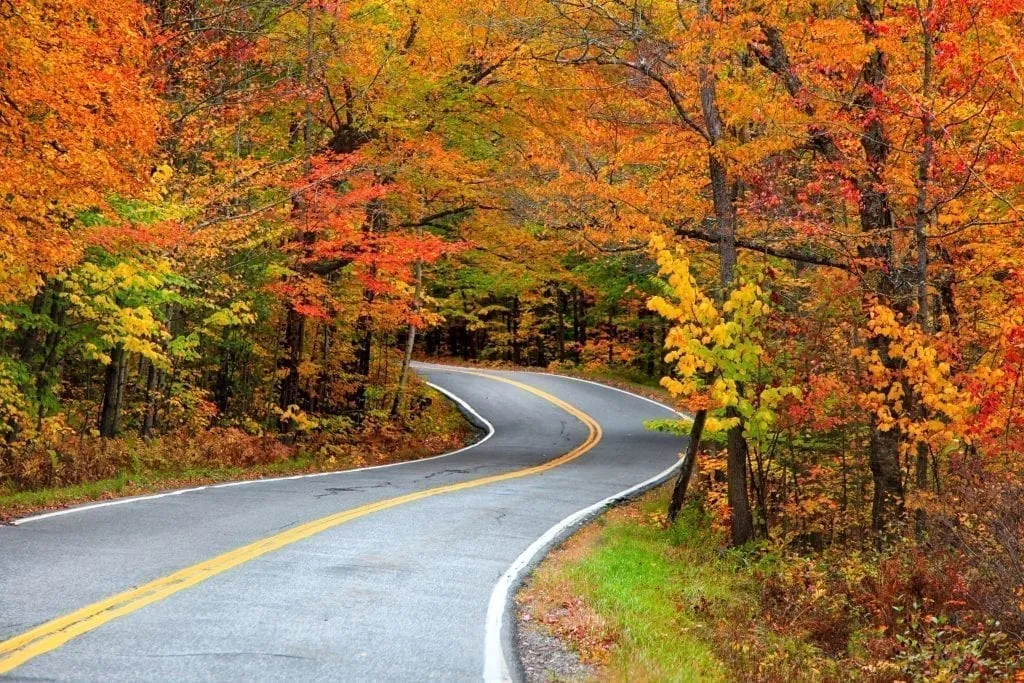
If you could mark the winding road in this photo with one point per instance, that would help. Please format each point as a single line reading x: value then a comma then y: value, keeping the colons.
x: 397, y: 573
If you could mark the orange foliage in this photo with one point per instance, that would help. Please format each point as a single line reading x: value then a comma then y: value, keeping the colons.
x: 78, y: 121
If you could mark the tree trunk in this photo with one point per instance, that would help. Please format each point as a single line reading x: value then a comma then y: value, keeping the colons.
x: 364, y: 356
x: 725, y: 218
x: 323, y: 386
x: 514, y: 330
x: 875, y: 217
x: 376, y: 224
x: 560, y: 330
x: 612, y: 332
x: 889, y: 281
x: 149, y: 418
x: 113, y: 393
x: 739, y: 501
x: 29, y: 337
x: 294, y: 341
x: 579, y: 319
x: 647, y: 341
x: 921, y: 221
x: 663, y: 366
x: 295, y: 324
x: 45, y: 377
x: 433, y: 345
x: 222, y: 384
x: 686, y: 469
x: 410, y: 341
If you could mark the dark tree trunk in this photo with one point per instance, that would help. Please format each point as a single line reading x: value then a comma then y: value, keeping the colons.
x: 29, y: 337
x: 739, y: 501
x: 323, y: 385
x: 466, y: 342
x: 647, y: 341
x: 922, y: 219
x: 453, y: 340
x: 686, y: 469
x: 113, y: 393
x: 875, y: 217
x: 579, y: 319
x: 294, y: 340
x: 222, y: 384
x: 431, y: 342
x: 376, y: 223
x: 149, y: 418
x: 612, y: 333
x: 663, y: 368
x: 560, y: 330
x: 45, y: 377
x: 364, y: 357
x: 722, y: 195
x: 514, y: 331
x: 410, y: 341
x: 888, y: 281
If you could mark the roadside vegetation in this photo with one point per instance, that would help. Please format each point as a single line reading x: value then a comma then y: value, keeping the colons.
x: 84, y: 467
x: 641, y: 600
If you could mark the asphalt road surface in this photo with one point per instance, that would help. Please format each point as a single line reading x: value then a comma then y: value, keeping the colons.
x: 324, y: 577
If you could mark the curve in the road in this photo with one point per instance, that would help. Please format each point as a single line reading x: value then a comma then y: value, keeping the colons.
x: 51, y: 635
x: 500, y: 659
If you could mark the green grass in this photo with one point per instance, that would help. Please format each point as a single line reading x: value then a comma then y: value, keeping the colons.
x: 679, y: 606
x: 660, y: 588
x: 50, y: 497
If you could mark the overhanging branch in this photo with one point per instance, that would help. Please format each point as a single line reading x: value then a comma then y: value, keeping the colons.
x: 795, y: 255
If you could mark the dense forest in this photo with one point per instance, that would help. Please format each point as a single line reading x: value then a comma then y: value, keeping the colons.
x: 238, y: 221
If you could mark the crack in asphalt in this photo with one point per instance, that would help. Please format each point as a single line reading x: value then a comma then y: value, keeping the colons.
x: 434, y: 474
x: 465, y: 470
x: 335, y: 490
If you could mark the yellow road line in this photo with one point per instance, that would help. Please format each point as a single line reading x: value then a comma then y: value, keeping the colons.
x: 51, y: 635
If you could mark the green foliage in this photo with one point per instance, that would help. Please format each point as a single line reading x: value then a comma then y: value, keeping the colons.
x: 670, y: 426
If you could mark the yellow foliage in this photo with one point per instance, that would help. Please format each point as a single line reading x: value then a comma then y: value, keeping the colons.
x: 716, y: 354
x: 938, y: 406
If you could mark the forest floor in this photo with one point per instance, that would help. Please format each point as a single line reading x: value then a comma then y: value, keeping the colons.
x: 89, y: 469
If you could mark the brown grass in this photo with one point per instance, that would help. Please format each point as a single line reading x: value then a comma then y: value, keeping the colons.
x: 550, y: 598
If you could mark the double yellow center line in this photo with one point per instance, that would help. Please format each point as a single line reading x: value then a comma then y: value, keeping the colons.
x: 51, y: 635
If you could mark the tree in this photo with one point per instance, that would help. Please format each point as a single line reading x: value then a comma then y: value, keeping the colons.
x: 79, y: 120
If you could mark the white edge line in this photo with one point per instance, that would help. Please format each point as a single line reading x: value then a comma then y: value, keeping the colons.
x: 135, y: 499
x: 496, y: 667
